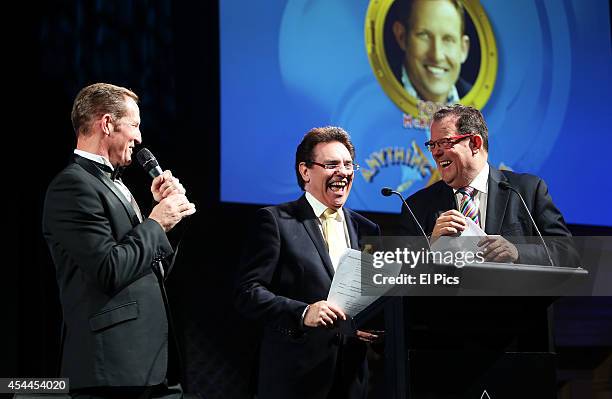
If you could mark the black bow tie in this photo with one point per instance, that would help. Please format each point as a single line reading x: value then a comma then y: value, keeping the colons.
x: 115, y: 174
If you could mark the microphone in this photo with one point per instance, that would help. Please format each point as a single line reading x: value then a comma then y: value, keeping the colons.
x: 387, y: 192
x: 504, y: 185
x: 146, y: 159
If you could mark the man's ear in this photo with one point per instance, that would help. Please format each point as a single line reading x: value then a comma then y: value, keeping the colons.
x: 465, y: 47
x: 476, y: 143
x: 106, y: 123
x: 399, y: 31
x: 304, y: 172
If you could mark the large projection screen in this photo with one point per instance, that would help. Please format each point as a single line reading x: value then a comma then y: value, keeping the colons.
x: 540, y: 71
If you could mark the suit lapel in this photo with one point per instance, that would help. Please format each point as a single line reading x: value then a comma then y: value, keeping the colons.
x: 352, y: 229
x: 497, y: 201
x: 311, y: 224
x: 444, y: 200
x: 95, y: 171
x: 448, y: 197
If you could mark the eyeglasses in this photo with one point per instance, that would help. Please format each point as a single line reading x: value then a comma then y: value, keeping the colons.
x: 446, y: 143
x: 349, y: 166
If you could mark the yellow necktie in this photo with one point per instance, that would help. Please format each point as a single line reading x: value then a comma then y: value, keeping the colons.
x: 332, y: 238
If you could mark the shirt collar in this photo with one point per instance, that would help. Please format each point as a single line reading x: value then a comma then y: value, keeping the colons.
x: 452, y: 98
x: 94, y: 157
x: 481, y: 180
x: 105, y: 165
x: 319, y: 208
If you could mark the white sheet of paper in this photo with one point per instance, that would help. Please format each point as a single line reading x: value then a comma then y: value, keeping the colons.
x: 345, y: 290
x: 468, y: 242
x: 472, y: 229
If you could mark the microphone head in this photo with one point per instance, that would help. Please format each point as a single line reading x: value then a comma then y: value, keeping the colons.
x: 386, y: 191
x: 146, y: 159
x: 505, y: 185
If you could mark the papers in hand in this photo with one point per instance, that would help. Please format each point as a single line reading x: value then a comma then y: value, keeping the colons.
x: 467, y: 241
x: 354, y: 269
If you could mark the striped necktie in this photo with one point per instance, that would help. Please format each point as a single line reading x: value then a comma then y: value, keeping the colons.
x: 468, y: 205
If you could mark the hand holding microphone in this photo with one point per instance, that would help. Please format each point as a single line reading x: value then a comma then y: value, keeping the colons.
x: 166, y: 185
x: 172, y: 205
x: 172, y: 210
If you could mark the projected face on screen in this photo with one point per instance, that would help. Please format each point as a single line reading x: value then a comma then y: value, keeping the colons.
x: 431, y: 35
x: 427, y: 53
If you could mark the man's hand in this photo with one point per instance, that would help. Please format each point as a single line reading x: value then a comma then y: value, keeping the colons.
x: 166, y: 185
x: 322, y: 314
x: 370, y: 336
x: 449, y: 223
x: 171, y: 210
x: 498, y: 249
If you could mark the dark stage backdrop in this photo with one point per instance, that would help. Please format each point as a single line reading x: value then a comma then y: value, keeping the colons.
x: 168, y: 53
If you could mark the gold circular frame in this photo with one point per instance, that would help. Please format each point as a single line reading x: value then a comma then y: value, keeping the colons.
x: 481, y: 91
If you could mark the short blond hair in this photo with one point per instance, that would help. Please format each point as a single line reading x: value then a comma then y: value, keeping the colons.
x: 96, y: 100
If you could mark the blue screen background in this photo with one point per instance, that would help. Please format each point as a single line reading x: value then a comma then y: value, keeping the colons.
x: 288, y: 66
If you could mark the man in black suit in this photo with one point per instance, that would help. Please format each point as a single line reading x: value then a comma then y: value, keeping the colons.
x: 108, y: 258
x: 459, y: 145
x: 287, y: 271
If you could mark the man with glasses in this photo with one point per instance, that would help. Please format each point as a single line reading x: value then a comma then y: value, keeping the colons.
x: 287, y: 271
x: 470, y: 187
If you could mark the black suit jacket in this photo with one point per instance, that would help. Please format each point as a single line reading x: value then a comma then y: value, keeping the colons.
x: 285, y: 267
x: 505, y: 216
x: 116, y: 329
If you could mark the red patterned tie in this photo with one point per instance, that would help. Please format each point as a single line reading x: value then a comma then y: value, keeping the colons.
x: 468, y: 206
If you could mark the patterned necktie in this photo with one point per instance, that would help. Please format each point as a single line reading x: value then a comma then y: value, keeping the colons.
x: 332, y: 238
x: 468, y: 205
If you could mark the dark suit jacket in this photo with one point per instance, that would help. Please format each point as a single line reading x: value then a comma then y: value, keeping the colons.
x: 505, y: 216
x: 116, y: 329
x: 285, y: 267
